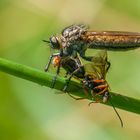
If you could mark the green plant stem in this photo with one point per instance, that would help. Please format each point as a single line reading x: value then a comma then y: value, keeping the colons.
x: 45, y: 79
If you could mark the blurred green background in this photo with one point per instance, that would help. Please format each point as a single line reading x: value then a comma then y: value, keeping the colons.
x: 31, y: 112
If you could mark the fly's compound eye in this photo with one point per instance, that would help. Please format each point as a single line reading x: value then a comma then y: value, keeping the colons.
x: 54, y: 42
x: 56, y: 61
x: 105, y: 97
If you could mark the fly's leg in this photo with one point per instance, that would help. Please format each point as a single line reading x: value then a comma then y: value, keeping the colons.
x: 49, y: 62
x: 79, y: 64
x: 55, y: 77
x: 82, y: 54
x: 66, y: 74
x: 58, y: 68
x: 68, y: 81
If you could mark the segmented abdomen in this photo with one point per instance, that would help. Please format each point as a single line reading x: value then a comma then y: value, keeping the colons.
x: 111, y: 40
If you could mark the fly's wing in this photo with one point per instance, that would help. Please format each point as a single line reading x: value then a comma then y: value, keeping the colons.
x: 111, y: 40
x: 99, y: 66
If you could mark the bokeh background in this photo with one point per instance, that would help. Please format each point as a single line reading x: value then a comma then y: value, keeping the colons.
x: 31, y: 112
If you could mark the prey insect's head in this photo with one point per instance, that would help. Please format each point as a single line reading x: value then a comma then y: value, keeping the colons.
x: 56, y: 61
x: 87, y: 82
x: 54, y: 42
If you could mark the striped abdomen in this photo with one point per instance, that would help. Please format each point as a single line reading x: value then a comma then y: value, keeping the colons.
x: 111, y: 40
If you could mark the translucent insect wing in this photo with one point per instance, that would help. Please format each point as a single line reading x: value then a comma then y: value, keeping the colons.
x: 99, y: 65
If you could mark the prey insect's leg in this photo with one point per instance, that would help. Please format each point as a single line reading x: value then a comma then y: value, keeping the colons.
x: 85, y: 91
x: 96, y: 101
x: 99, y: 80
x: 108, y: 65
x: 94, y: 98
x: 103, y: 87
x: 104, y: 90
x: 75, y: 97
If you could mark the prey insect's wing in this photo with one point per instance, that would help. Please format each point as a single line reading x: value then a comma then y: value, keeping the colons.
x: 111, y: 40
x: 99, y: 65
x: 100, y: 61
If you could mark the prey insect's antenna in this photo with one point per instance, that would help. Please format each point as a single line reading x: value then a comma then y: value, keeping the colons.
x: 116, y: 113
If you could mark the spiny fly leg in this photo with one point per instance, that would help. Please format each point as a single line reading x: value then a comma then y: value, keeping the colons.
x: 68, y: 81
x: 48, y: 64
x: 55, y: 77
x: 82, y: 54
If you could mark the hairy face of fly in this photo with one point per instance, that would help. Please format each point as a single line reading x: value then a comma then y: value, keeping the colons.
x: 55, y: 44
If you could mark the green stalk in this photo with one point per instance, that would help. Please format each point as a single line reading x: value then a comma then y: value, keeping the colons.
x: 45, y: 79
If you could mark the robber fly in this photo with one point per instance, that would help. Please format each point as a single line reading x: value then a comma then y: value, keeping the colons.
x: 91, y: 76
x: 76, y: 39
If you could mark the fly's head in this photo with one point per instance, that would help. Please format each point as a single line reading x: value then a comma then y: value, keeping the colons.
x: 55, y: 42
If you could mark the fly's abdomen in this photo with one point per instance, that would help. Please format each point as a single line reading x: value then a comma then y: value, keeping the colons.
x: 111, y: 40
